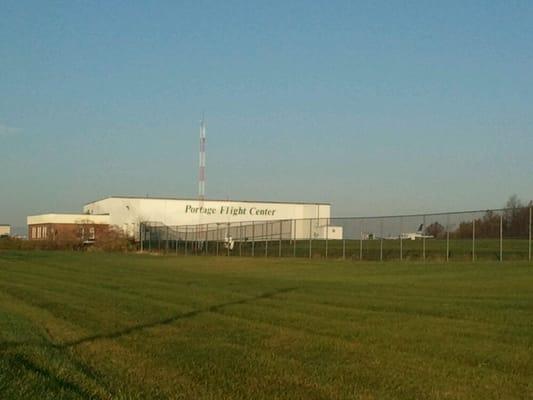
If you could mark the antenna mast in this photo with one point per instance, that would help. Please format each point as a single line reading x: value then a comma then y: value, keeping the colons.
x: 201, y: 172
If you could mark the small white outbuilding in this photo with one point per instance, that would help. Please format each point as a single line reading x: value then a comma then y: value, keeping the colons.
x: 5, y: 230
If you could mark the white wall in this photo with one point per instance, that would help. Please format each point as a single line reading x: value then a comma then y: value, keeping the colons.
x: 5, y: 230
x: 127, y: 213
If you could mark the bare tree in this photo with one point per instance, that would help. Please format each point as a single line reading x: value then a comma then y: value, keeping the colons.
x: 435, y: 229
x: 516, y: 217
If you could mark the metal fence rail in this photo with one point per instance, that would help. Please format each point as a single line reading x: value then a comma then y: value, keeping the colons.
x: 499, y: 234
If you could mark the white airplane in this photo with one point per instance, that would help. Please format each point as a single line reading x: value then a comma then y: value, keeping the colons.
x: 419, y: 234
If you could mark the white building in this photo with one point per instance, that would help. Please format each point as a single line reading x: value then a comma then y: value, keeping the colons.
x: 5, y: 230
x: 128, y: 212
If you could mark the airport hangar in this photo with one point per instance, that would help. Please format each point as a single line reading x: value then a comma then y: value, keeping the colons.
x: 127, y: 213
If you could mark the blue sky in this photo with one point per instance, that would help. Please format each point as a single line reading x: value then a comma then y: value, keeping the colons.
x: 376, y: 107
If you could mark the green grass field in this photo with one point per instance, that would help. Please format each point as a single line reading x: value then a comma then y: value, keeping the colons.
x: 366, y: 250
x: 112, y: 326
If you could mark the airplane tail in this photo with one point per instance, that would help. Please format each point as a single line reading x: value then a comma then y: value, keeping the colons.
x: 420, y: 228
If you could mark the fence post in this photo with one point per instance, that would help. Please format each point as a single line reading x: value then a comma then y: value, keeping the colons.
x: 192, y: 239
x: 159, y: 240
x: 176, y: 234
x: 198, y: 240
x: 361, y: 247
x: 310, y: 237
x: 473, y: 239
x: 253, y: 239
x: 530, y: 217
x: 172, y: 241
x: 423, y: 239
x: 166, y: 242
x: 343, y: 249
x: 240, y: 239
x: 294, y: 239
x: 150, y: 241
x: 280, y: 238
x: 186, y: 238
x: 327, y: 237
x: 447, y: 238
x: 266, y: 239
x: 217, y: 238
x: 501, y: 237
x: 381, y: 239
x: 401, y: 239
x: 227, y: 239
x: 447, y: 245
x: 141, y: 237
x: 206, y: 243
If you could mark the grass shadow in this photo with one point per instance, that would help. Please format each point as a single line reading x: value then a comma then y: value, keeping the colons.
x: 174, y: 318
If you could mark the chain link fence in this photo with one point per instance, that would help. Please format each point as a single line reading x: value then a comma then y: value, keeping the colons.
x: 500, y: 234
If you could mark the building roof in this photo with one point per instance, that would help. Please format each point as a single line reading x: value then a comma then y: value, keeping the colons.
x: 5, y: 225
x: 68, y: 219
x: 208, y: 200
